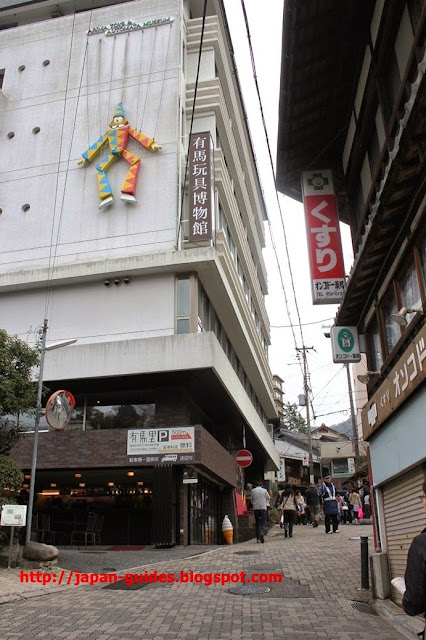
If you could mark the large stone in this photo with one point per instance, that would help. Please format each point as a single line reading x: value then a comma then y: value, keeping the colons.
x: 40, y: 552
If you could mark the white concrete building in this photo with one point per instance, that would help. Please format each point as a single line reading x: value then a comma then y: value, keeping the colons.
x: 169, y: 324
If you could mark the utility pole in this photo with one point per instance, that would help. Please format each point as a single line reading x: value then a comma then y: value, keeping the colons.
x: 303, y: 350
x: 36, y: 428
x: 353, y: 418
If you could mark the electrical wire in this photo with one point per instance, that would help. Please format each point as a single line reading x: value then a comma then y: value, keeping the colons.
x: 304, y: 324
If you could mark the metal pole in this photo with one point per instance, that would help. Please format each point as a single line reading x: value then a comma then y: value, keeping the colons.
x: 353, y: 418
x: 364, y: 563
x: 308, y: 418
x: 36, y: 427
x: 12, y: 533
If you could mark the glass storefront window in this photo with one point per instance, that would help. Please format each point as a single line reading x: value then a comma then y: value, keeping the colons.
x: 125, y: 416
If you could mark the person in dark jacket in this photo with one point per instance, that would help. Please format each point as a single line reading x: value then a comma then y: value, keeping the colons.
x: 288, y: 506
x: 313, y: 502
x: 414, y: 600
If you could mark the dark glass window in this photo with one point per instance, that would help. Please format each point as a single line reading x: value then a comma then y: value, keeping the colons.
x: 375, y: 356
x: 392, y: 330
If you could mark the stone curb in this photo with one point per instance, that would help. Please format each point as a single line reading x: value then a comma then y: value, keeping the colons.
x: 407, y: 625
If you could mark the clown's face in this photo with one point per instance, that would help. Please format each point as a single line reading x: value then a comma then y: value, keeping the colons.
x: 118, y: 121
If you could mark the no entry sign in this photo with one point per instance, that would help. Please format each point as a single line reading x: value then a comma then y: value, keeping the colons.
x: 243, y: 458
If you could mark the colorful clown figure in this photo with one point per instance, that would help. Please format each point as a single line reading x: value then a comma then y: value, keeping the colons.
x: 117, y: 136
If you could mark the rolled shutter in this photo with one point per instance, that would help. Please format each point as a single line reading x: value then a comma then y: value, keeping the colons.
x: 405, y: 519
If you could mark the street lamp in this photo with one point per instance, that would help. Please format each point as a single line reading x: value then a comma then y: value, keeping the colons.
x: 44, y: 348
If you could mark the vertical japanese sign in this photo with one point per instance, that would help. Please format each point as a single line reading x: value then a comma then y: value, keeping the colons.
x: 322, y: 227
x: 200, y: 187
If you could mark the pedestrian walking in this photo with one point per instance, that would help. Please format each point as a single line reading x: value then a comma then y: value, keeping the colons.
x: 346, y: 515
x: 301, y: 508
x: 288, y: 506
x: 367, y: 506
x: 356, y: 504
x: 259, y: 499
x: 313, y: 503
x: 330, y: 505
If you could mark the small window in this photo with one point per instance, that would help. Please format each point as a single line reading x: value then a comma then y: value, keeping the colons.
x: 25, y: 208
x: 183, y: 304
x: 11, y: 135
x: 2, y: 72
x: 46, y: 63
x: 375, y: 356
x: 21, y: 67
x: 392, y: 330
x: 409, y: 289
x: 36, y: 130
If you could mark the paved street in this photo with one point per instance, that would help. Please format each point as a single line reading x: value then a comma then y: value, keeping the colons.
x: 321, y: 576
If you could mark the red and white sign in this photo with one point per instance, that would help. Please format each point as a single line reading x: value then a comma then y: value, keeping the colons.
x: 324, y: 242
x: 243, y: 458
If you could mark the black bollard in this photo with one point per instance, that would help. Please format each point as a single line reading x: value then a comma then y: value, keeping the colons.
x: 364, y: 563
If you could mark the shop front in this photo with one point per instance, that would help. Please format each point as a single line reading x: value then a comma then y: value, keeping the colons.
x: 140, y: 489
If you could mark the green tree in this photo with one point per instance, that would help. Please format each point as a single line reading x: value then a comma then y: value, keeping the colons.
x: 11, y: 478
x: 18, y: 392
x: 292, y: 419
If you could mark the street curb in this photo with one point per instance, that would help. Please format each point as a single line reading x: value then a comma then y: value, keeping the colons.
x: 407, y: 625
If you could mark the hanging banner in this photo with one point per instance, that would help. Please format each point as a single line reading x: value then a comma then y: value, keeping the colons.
x: 200, y: 187
x: 323, y: 233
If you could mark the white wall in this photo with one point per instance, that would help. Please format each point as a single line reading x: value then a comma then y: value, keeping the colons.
x: 93, y: 312
x: 72, y: 100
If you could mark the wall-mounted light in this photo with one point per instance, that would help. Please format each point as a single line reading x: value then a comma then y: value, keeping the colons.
x: 77, y: 475
x: 127, y: 280
x: 53, y: 485
x: 365, y: 377
x: 110, y: 484
x: 401, y: 317
x: 82, y: 484
x: 108, y: 283
x: 117, y: 282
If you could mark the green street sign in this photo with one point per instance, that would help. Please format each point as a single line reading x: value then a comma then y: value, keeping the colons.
x: 345, y: 344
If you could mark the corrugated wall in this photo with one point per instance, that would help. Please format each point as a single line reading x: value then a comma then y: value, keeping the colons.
x: 405, y: 519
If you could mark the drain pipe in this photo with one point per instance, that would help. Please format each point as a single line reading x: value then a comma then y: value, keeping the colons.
x: 364, y: 563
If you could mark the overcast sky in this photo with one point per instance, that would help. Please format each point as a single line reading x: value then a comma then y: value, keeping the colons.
x: 328, y: 380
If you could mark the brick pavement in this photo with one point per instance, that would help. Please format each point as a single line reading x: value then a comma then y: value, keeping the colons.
x: 321, y: 575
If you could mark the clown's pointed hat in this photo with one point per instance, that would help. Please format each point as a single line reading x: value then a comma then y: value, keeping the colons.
x: 119, y: 111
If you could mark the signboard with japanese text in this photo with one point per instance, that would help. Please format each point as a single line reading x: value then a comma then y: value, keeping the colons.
x: 201, y: 184
x: 403, y: 380
x: 345, y: 344
x: 323, y: 232
x: 166, y: 446
x: 14, y: 515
